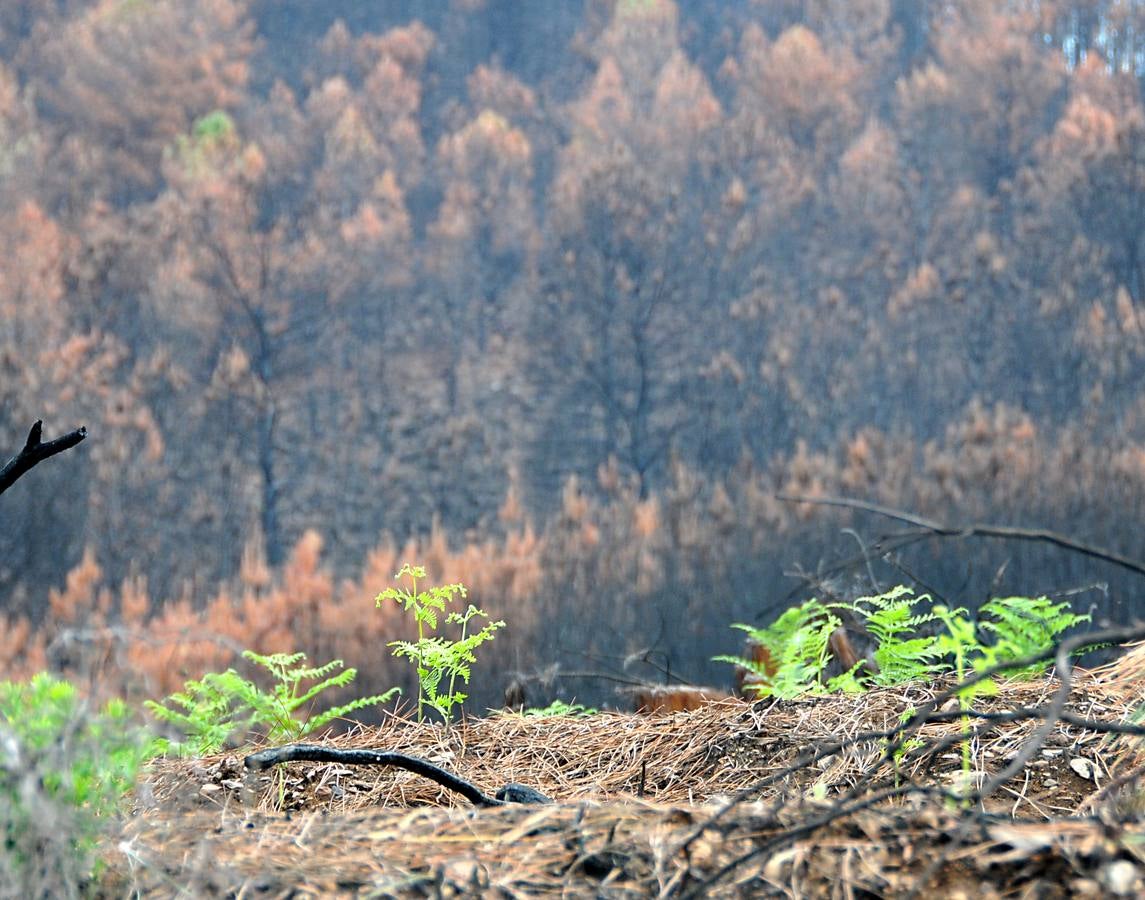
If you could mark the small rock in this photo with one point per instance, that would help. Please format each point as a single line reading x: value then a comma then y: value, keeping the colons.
x: 1121, y: 877
x: 1086, y: 887
x: 465, y: 873
x: 1083, y: 767
x: 778, y: 867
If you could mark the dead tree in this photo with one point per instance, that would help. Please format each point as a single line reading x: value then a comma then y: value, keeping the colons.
x: 36, y: 451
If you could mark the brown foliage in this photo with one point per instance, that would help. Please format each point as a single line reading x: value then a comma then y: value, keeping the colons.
x: 612, y: 557
x: 555, y: 300
x: 673, y: 699
x: 192, y: 59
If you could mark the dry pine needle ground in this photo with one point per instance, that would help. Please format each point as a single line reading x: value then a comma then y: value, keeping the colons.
x: 635, y: 800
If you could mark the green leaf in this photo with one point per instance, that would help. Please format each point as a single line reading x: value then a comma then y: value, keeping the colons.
x: 436, y: 659
x: 224, y: 705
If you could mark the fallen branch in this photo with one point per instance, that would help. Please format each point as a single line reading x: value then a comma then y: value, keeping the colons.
x: 923, y: 527
x: 36, y: 451
x: 510, y: 793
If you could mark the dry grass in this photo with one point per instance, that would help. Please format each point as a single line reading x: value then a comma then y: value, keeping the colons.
x: 642, y: 808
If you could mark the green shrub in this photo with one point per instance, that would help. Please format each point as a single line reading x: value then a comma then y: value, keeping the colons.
x: 63, y: 771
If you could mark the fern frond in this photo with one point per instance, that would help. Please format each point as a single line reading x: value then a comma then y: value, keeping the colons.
x: 308, y: 673
x: 797, y: 642
x: 278, y: 664
x: 1023, y: 626
x: 900, y: 661
x: 342, y: 679
x: 337, y: 712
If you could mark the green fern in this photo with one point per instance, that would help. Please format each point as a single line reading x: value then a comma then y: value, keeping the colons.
x: 902, y: 655
x: 207, y: 712
x: 224, y: 705
x: 290, y: 672
x: 1023, y: 626
x: 803, y: 658
x: 797, y: 642
x: 438, y: 659
x: 960, y: 641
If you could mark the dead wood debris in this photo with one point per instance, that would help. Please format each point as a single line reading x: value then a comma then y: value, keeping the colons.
x: 767, y: 799
x: 35, y: 451
x: 625, y: 849
x: 509, y: 793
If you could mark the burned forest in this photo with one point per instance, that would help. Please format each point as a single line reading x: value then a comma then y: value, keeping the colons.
x: 721, y: 425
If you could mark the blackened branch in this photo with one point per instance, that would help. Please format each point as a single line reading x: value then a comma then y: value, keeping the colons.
x: 510, y: 793
x: 36, y: 451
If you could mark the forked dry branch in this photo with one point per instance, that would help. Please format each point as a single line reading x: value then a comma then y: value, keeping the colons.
x: 36, y: 451
x: 923, y: 528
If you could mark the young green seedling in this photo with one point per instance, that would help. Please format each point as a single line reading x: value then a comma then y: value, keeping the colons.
x: 437, y: 659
